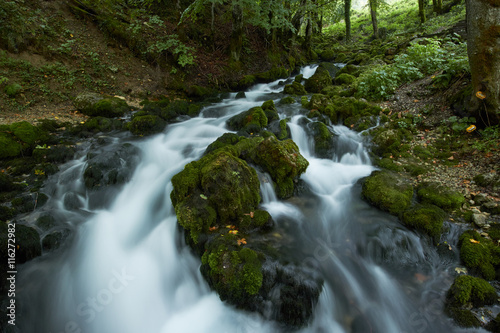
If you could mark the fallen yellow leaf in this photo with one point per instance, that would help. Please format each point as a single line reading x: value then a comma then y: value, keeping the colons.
x: 474, y: 241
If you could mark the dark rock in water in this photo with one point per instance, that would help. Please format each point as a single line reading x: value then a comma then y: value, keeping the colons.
x: 280, y: 129
x: 240, y: 94
x: 111, y: 167
x: 55, y: 239
x: 72, y: 201
x: 324, y: 143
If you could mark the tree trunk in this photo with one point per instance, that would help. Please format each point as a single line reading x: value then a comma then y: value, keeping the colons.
x: 483, y: 48
x: 347, y: 19
x: 439, y: 6
x: 421, y: 10
x: 236, y: 43
x: 373, y: 13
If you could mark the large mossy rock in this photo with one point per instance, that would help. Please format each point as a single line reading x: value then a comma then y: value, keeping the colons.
x: 425, y: 218
x: 198, y: 197
x: 20, y: 138
x: 480, y: 255
x: 251, y: 121
x: 324, y: 139
x: 146, y: 124
x: 93, y: 104
x: 466, y: 293
x: 216, y: 200
x: 295, y: 89
x: 440, y: 196
x: 388, y: 191
x: 349, y: 110
x: 283, y: 161
x: 319, y: 80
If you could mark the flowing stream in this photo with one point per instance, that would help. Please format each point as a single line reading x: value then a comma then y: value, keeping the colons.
x: 126, y: 268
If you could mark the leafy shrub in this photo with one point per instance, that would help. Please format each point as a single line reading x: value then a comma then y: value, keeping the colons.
x: 419, y: 60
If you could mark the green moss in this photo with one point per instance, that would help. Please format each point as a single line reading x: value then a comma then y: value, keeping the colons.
x: 270, y: 111
x: 12, y: 90
x: 25, y: 132
x: 480, y: 255
x: 471, y: 289
x: 344, y: 78
x: 253, y: 120
x: 426, y: 218
x: 323, y: 140
x: 8, y: 146
x: 327, y: 55
x: 415, y: 169
x: 343, y: 108
x: 295, y: 89
x: 388, y: 191
x: 102, y: 124
x: 247, y: 81
x: 282, y: 160
x: 287, y: 100
x: 146, y: 125
x: 388, y: 163
x: 272, y: 74
x: 319, y: 80
x: 283, y: 134
x: 440, y: 196
x: 463, y: 317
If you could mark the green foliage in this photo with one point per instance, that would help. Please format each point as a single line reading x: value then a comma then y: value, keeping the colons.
x: 419, y: 60
x: 171, y: 44
x: 459, y: 125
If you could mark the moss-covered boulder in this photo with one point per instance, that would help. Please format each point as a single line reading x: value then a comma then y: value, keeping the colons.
x: 479, y: 254
x: 468, y: 292
x: 236, y: 275
x: 349, y: 110
x: 280, y: 129
x: 425, y: 218
x: 295, y: 89
x: 146, y: 125
x: 468, y: 289
x: 283, y: 161
x: 344, y: 78
x: 9, y: 147
x: 92, y: 104
x: 388, y: 191
x: 323, y: 139
x: 270, y: 110
x: 102, y: 124
x: 388, y: 142
x: 247, y: 81
x: 319, y: 80
x: 250, y: 122
x: 273, y: 74
x: 218, y: 187
x: 440, y: 196
x: 216, y: 200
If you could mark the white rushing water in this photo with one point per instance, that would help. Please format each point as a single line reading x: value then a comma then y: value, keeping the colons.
x: 128, y: 270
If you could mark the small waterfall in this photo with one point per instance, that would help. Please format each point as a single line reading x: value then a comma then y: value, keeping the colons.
x: 127, y: 269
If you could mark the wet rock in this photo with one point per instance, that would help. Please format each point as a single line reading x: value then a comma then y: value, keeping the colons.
x: 54, y: 240
x: 111, y: 167
x: 479, y: 220
x: 27, y: 242
x: 295, y: 89
x: 320, y: 79
x: 479, y: 254
x: 249, y: 122
x: 323, y: 139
